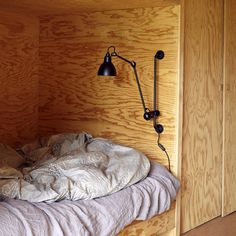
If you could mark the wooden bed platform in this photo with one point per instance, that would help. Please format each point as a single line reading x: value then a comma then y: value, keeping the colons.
x: 155, y: 226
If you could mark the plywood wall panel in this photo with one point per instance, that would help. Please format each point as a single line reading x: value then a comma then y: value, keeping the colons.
x: 229, y: 163
x: 74, y: 6
x: 202, y: 121
x: 18, y: 78
x: 74, y: 98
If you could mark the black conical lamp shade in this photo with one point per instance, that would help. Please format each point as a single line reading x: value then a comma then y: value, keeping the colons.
x: 107, y: 68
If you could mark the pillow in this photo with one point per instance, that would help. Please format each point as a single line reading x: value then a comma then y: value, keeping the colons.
x: 9, y: 157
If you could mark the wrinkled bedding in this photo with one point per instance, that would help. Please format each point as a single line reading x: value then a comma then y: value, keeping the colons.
x: 73, y: 167
x: 104, y: 216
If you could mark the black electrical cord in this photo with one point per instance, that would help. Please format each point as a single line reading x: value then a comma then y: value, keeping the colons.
x: 164, y: 150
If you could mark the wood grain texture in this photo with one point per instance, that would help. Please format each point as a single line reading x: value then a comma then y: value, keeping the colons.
x: 73, y: 98
x: 229, y: 162
x: 202, y: 124
x: 18, y: 78
x: 158, y: 225
x: 180, y: 117
x: 75, y: 6
x: 169, y: 233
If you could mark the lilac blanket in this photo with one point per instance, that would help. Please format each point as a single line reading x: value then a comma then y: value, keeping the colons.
x: 104, y: 216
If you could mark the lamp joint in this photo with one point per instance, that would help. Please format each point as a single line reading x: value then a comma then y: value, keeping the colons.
x: 148, y: 115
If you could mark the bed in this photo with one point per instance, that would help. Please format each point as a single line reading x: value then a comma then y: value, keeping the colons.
x: 105, y: 216
x: 101, y: 216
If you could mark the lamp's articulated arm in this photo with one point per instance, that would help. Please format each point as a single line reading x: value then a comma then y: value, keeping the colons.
x: 132, y: 63
x: 148, y: 115
x: 108, y: 69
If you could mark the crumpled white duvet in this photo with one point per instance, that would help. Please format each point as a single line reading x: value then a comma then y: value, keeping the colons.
x: 73, y: 167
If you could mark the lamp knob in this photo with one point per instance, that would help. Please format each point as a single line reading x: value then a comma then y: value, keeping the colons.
x: 147, y: 115
x: 160, y: 55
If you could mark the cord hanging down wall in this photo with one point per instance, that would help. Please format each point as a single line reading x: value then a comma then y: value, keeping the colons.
x: 108, y: 69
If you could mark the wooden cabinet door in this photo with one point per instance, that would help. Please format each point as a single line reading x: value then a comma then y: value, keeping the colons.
x: 202, y: 112
x: 229, y: 140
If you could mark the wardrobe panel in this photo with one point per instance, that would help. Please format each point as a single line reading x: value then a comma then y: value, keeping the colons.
x: 202, y: 115
x: 229, y: 154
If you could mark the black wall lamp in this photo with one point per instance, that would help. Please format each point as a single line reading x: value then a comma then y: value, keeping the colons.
x: 108, y: 69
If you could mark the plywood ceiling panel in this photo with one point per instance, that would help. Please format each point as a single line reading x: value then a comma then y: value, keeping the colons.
x: 44, y: 7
